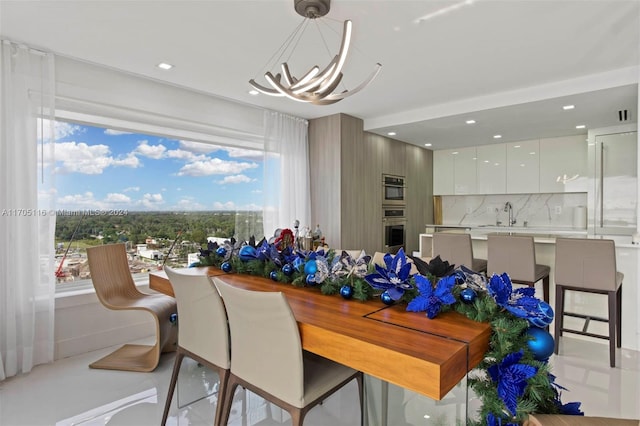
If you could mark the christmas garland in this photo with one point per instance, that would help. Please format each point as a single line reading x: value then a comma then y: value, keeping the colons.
x: 512, y: 381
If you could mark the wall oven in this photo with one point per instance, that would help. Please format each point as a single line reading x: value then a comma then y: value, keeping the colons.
x: 393, y: 190
x: 394, y: 224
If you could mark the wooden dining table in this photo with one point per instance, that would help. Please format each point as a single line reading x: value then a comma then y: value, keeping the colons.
x: 426, y: 356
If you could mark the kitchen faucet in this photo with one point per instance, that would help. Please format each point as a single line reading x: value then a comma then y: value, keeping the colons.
x: 509, y: 208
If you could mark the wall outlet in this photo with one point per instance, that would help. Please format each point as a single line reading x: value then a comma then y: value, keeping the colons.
x: 558, y: 209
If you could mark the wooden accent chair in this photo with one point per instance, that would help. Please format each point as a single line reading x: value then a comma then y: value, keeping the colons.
x: 116, y: 290
x: 589, y: 265
x: 456, y: 248
x: 267, y: 356
x: 516, y: 255
x: 204, y: 333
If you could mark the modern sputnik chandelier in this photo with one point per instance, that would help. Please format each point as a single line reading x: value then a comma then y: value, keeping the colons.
x: 315, y: 86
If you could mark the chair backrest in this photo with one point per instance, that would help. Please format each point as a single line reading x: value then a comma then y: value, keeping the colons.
x: 453, y: 247
x: 201, y: 317
x: 513, y: 254
x: 110, y: 274
x: 265, y: 341
x: 586, y: 263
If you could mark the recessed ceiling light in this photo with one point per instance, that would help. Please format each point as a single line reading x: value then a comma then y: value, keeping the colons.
x: 516, y: 146
x: 427, y: 144
x: 391, y: 133
x: 580, y: 126
x: 470, y: 121
x: 164, y: 66
x: 454, y: 153
x: 253, y: 92
x: 566, y: 107
x: 497, y: 136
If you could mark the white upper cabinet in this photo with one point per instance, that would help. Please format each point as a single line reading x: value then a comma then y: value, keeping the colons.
x: 443, y: 180
x: 523, y: 167
x: 563, y: 164
x: 491, y: 169
x: 464, y: 165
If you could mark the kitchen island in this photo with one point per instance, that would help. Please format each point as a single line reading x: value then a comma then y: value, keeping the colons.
x: 627, y: 259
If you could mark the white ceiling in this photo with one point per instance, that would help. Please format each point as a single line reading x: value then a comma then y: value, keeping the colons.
x: 510, y: 65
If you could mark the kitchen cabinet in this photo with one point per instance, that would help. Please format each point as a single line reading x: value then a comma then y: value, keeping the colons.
x: 394, y: 157
x: 455, y: 171
x: 523, y: 167
x: 563, y: 164
x: 491, y: 169
x: 419, y: 208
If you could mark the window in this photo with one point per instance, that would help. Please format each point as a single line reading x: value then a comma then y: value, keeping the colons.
x: 162, y: 197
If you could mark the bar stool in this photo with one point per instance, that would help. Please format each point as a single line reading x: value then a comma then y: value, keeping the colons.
x: 589, y: 265
x: 456, y: 248
x: 516, y: 255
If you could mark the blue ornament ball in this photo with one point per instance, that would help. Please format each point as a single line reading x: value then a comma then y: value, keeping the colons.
x: 287, y: 269
x: 544, y: 315
x: 386, y: 298
x: 248, y: 253
x: 298, y: 263
x: 311, y: 279
x: 221, y: 251
x: 273, y: 275
x: 541, y: 343
x: 311, y: 267
x: 468, y: 295
x: 346, y: 291
x: 226, y: 267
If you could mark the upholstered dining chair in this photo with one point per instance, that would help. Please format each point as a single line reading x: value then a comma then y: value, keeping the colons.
x: 516, y: 255
x: 204, y: 332
x: 267, y: 356
x: 456, y: 248
x: 116, y: 290
x: 589, y: 265
x: 566, y: 420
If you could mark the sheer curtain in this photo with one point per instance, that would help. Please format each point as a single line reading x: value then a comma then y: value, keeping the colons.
x: 27, y: 223
x: 286, y: 172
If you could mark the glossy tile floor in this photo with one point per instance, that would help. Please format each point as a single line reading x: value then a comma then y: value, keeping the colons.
x: 68, y: 393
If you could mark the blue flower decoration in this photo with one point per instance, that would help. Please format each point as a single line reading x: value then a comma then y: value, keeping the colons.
x: 431, y: 299
x: 493, y: 421
x: 394, y: 279
x: 570, y: 408
x: 520, y: 302
x: 511, y: 378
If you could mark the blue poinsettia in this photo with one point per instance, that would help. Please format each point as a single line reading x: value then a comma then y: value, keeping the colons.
x: 521, y: 302
x: 431, y: 299
x: 511, y: 378
x: 394, y: 278
x: 497, y: 421
x: 570, y: 408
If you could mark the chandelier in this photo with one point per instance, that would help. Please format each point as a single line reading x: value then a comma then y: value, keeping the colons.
x: 315, y: 86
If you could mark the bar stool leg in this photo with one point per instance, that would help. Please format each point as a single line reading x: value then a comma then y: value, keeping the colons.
x: 613, y: 319
x: 619, y: 318
x: 545, y: 288
x: 559, y: 317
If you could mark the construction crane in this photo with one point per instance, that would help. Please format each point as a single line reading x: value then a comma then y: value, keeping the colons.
x: 59, y: 273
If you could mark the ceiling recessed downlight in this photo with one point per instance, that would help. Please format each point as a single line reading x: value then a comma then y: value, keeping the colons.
x: 391, y: 133
x: 164, y: 66
x: 566, y: 107
x: 497, y: 136
x: 470, y: 121
x: 254, y: 92
x: 427, y: 144
x: 580, y: 126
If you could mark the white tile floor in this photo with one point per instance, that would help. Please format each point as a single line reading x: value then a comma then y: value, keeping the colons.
x: 68, y: 393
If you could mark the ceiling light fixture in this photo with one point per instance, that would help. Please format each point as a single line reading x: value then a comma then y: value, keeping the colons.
x: 315, y: 86
x: 164, y: 66
x: 497, y: 136
x: 566, y: 107
x: 580, y: 126
x: 391, y: 133
x: 470, y: 121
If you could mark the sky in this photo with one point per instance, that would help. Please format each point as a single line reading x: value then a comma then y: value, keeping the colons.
x: 98, y: 168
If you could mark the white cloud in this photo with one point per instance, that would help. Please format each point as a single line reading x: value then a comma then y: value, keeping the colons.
x: 229, y: 205
x: 131, y: 189
x: 235, y: 179
x: 189, y: 204
x: 198, y: 147
x: 256, y: 191
x: 244, y: 153
x: 77, y: 201
x: 117, y: 198
x: 151, y: 201
x: 114, y: 132
x: 151, y: 151
x: 60, y: 129
x: 215, y: 166
x: 181, y: 154
x: 78, y: 157
x: 129, y: 161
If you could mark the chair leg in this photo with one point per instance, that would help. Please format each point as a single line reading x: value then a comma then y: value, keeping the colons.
x: 559, y: 316
x: 232, y: 385
x: 613, y: 319
x: 619, y: 318
x: 172, y: 385
x: 222, y: 392
x: 545, y: 288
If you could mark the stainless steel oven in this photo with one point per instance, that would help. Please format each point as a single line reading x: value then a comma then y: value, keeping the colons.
x: 394, y: 225
x: 393, y: 190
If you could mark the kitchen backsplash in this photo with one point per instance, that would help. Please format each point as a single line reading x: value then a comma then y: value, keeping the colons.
x: 561, y: 210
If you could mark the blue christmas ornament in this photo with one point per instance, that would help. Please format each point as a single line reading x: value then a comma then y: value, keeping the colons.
x: 273, y: 275
x: 541, y: 343
x: 311, y: 279
x: 248, y: 253
x: 310, y: 267
x: 468, y: 295
x: 386, y: 298
x: 226, y: 267
x: 346, y: 291
x: 287, y: 269
x: 221, y: 251
x: 298, y: 263
x: 542, y: 316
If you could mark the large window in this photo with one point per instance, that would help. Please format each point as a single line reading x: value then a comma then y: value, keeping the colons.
x: 163, y: 198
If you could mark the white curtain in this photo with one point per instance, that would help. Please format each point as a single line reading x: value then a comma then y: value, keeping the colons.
x: 27, y: 222
x: 286, y: 173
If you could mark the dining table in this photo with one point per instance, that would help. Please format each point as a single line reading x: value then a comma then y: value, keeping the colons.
x: 427, y: 356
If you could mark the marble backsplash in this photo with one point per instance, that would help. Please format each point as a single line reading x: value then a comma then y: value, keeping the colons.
x: 559, y: 210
